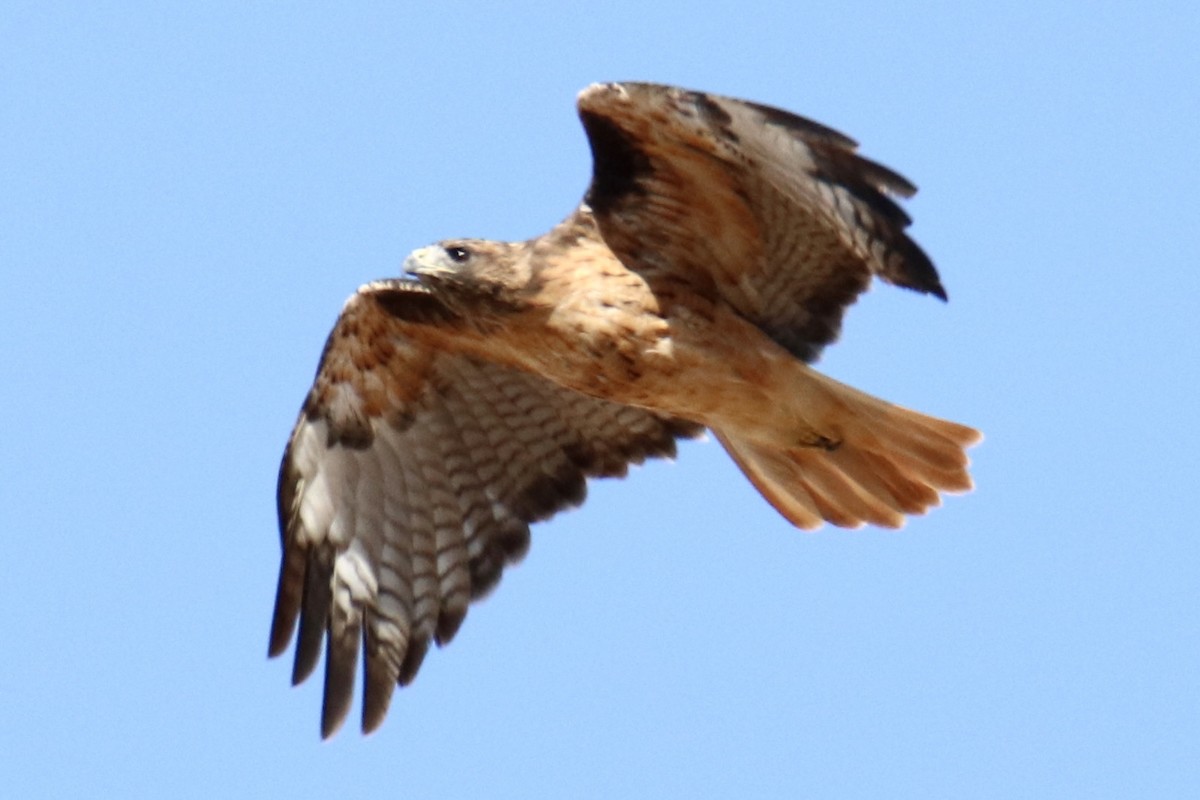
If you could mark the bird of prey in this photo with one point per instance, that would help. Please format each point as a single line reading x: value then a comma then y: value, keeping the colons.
x: 712, y: 258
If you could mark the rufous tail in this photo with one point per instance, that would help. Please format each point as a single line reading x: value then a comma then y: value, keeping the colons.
x: 885, y: 463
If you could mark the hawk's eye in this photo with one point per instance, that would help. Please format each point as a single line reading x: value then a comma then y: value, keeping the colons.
x: 458, y: 255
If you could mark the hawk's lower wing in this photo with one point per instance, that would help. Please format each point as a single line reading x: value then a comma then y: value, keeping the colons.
x: 409, y: 483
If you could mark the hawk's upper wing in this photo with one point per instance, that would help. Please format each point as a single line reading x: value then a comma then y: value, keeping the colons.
x: 410, y: 481
x: 772, y: 212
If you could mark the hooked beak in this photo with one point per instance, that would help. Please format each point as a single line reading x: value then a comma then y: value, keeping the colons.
x: 426, y: 263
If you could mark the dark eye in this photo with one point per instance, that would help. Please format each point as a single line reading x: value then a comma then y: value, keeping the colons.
x: 458, y: 255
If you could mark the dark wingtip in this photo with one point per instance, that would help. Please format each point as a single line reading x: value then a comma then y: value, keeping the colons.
x: 378, y: 686
x: 315, y: 603
x: 417, y: 650
x: 923, y: 276
x: 331, y: 720
x: 449, y: 621
x: 289, y: 590
x: 302, y: 667
x: 340, y: 662
x: 279, y: 641
x: 308, y: 648
x: 910, y: 266
x: 334, y: 709
x: 287, y: 602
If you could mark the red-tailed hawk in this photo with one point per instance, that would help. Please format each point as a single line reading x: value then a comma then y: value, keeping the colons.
x: 714, y: 254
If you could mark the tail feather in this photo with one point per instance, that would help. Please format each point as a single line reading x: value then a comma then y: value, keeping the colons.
x: 889, y: 462
x: 856, y: 496
x: 912, y: 495
x: 891, y: 497
x: 774, y: 478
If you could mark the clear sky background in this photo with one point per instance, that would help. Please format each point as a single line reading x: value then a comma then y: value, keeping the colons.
x: 188, y: 192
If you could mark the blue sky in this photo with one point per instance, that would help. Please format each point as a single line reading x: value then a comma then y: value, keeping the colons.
x: 189, y: 192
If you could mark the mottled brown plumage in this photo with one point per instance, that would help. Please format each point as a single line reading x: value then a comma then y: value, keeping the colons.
x: 715, y: 253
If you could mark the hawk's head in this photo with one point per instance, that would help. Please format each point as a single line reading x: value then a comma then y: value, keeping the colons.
x: 473, y: 275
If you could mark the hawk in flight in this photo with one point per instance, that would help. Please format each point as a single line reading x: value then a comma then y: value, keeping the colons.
x: 711, y: 260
